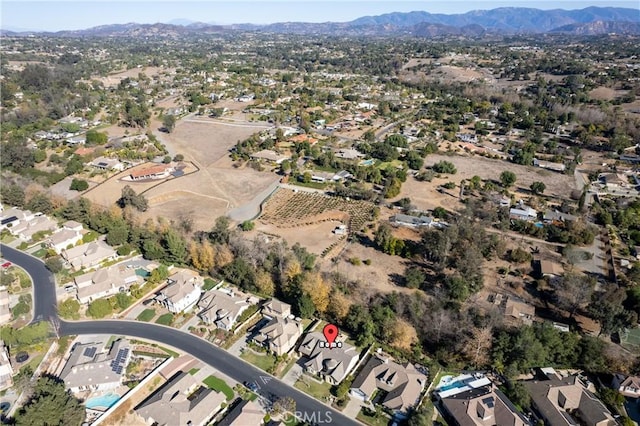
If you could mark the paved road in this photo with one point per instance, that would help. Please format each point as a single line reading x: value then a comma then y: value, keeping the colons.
x: 307, y: 408
x: 44, y: 286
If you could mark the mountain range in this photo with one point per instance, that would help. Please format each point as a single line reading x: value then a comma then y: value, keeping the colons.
x: 504, y: 20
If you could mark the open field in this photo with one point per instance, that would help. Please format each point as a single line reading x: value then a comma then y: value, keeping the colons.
x: 316, y: 237
x: 112, y: 80
x: 557, y: 184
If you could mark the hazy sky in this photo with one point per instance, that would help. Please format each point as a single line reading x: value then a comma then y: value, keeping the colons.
x: 54, y: 15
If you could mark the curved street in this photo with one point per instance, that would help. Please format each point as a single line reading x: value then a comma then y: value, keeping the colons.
x: 269, y: 387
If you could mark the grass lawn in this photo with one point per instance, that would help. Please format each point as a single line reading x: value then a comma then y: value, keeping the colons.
x: 439, y: 377
x: 33, y: 362
x: 287, y: 367
x: 374, y: 420
x: 320, y: 391
x: 146, y: 315
x: 169, y: 351
x: 264, y: 362
x: 40, y: 253
x: 219, y: 385
x: 165, y: 319
x: 314, y: 185
x: 193, y: 371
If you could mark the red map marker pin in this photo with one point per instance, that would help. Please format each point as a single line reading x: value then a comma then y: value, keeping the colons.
x: 330, y: 332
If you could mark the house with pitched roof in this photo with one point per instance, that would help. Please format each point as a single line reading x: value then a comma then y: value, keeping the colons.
x: 279, y: 335
x: 92, y: 366
x: 104, y: 283
x: 89, y: 255
x: 181, y: 401
x: 5, y: 308
x: 222, y: 307
x: 566, y: 401
x: 182, y: 292
x: 6, y: 369
x: 484, y: 406
x: 627, y: 385
x: 331, y: 364
x: 69, y: 235
x: 402, y: 384
x: 275, y: 308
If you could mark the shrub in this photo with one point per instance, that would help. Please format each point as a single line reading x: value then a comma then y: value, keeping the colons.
x: 445, y: 167
x: 79, y: 185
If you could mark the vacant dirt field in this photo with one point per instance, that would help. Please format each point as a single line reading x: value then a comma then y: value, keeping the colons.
x: 376, y: 277
x: 315, y: 237
x: 113, y: 80
x: 557, y: 184
x: 606, y: 94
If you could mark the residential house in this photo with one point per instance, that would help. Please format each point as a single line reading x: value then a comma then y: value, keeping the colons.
x: 14, y: 216
x: 6, y: 369
x: 245, y: 413
x: 554, y: 216
x: 402, y: 384
x: 40, y: 223
x: 467, y: 137
x: 5, y: 307
x: 181, y: 401
x: 484, y: 406
x: 349, y: 154
x: 556, y: 167
x: 631, y: 158
x: 523, y: 212
x: 104, y: 282
x: 222, y: 307
x: 89, y: 255
x: 160, y: 171
x: 269, y: 156
x: 342, y: 175
x: 566, y: 401
x: 93, y: 367
x: 280, y: 334
x: 104, y: 163
x: 411, y: 221
x: 515, y: 309
x: 182, y: 293
x: 614, y: 180
x: 627, y: 385
x: 76, y: 140
x: 64, y: 238
x: 548, y: 268
x: 331, y: 364
x: 275, y: 308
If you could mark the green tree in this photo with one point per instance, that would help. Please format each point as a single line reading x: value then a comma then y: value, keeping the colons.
x: 69, y: 309
x: 100, y: 308
x: 507, y: 178
x: 444, y: 167
x: 247, y: 225
x: 130, y: 198
x: 176, y: 247
x: 414, y: 277
x: 79, y: 185
x: 54, y: 264
x: 538, y: 187
x: 39, y: 155
x: 12, y: 195
x: 169, y: 122
x: 117, y: 235
x: 93, y: 137
x: 123, y: 301
x: 51, y: 404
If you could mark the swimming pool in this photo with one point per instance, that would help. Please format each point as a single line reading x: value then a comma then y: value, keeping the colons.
x: 369, y: 162
x: 450, y: 386
x: 102, y: 401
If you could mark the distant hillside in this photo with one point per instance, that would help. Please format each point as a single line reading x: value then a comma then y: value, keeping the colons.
x: 508, y: 20
x: 600, y: 27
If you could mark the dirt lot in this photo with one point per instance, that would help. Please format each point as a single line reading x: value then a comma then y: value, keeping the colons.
x: 113, y: 80
x: 376, y: 277
x: 315, y: 238
x: 606, y: 94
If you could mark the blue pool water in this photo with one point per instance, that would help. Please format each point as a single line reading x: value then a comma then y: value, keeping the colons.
x: 539, y: 225
x: 450, y: 386
x: 369, y: 162
x: 102, y: 401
